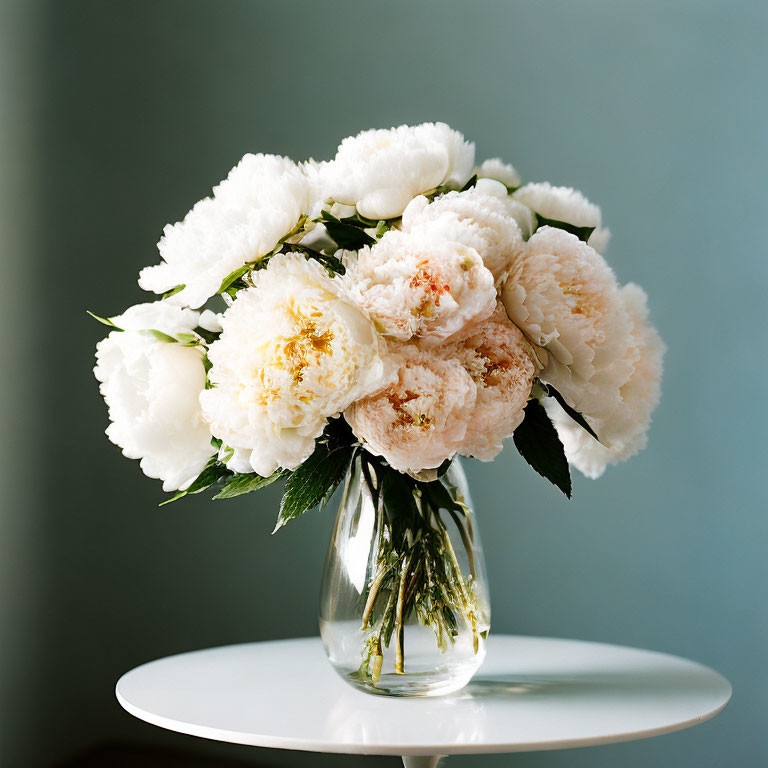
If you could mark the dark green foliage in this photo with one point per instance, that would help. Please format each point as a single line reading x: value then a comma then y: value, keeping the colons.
x: 214, y: 470
x: 330, y: 262
x: 348, y: 233
x: 173, y: 291
x: 237, y: 485
x: 582, y: 233
x: 314, y: 481
x: 104, y: 321
x: 572, y: 412
x: 537, y: 441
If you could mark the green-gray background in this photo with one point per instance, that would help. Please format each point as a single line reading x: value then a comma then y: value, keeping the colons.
x: 118, y: 116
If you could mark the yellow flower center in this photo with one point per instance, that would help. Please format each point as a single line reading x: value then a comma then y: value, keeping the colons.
x: 582, y: 306
x: 408, y: 416
x: 306, y: 347
x: 293, y: 354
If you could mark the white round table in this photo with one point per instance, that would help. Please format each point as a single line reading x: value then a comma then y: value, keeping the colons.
x: 530, y: 694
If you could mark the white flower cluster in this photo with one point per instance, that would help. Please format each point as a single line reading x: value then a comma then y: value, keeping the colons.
x: 398, y: 286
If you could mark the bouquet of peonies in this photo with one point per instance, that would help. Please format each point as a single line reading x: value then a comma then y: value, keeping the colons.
x: 387, y: 310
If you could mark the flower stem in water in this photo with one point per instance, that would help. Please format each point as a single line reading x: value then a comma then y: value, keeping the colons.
x: 399, y: 662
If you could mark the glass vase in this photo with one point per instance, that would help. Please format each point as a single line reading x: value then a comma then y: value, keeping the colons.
x: 404, y: 606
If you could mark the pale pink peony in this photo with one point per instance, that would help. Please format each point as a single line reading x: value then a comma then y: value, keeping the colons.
x: 420, y: 420
x: 503, y: 365
x: 623, y: 432
x: 420, y: 284
x: 565, y: 298
x: 484, y: 218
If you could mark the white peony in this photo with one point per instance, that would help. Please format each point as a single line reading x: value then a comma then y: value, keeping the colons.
x: 599, y: 239
x: 158, y: 316
x: 623, y: 432
x: 494, y: 168
x: 484, y: 218
x: 209, y: 320
x: 294, y: 352
x: 316, y: 173
x: 566, y: 205
x: 380, y: 171
x: 151, y: 388
x: 420, y: 284
x: 260, y: 202
x: 559, y: 204
x: 421, y: 419
x: 564, y: 297
x: 503, y: 365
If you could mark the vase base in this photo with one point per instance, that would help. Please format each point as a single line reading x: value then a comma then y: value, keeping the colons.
x: 412, y: 685
x: 421, y: 761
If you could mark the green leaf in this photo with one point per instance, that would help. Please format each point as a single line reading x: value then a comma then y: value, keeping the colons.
x: 331, y: 488
x: 196, y: 338
x: 338, y: 433
x: 360, y: 221
x: 187, y: 339
x: 176, y: 496
x: 213, y: 471
x: 582, y: 233
x: 233, y: 276
x: 356, y: 220
x: 398, y: 491
x: 331, y: 263
x: 173, y: 291
x: 104, y: 321
x: 399, y: 497
x: 159, y: 335
x: 208, y: 336
x: 313, y: 481
x: 347, y: 236
x: 572, y: 412
x: 537, y: 441
x: 470, y: 183
x: 439, y: 496
x: 239, y: 484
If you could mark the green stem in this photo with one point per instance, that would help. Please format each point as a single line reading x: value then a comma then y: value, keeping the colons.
x: 376, y: 662
x: 399, y: 660
x: 467, y: 543
x: 372, y: 595
x: 466, y: 612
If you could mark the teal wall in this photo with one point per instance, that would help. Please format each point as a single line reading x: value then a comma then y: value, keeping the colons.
x: 126, y: 113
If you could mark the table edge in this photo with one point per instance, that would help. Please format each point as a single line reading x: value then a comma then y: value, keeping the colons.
x: 292, y: 743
